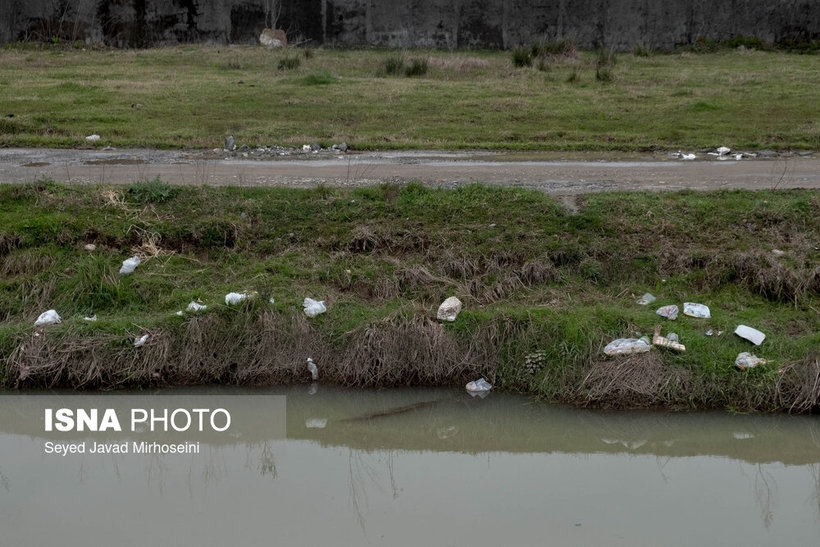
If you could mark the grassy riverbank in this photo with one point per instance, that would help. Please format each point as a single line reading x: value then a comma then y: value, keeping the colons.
x: 196, y: 95
x: 533, y: 277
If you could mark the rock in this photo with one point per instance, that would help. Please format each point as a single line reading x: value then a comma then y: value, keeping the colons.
x: 315, y: 147
x: 90, y: 247
x: 230, y: 143
x: 244, y: 148
x: 273, y: 39
x: 449, y: 309
x: 805, y: 153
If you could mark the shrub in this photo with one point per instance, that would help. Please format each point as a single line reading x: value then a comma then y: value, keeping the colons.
x: 394, y: 64
x: 151, y: 191
x: 289, y: 62
x: 522, y: 56
x: 320, y: 78
x: 418, y: 67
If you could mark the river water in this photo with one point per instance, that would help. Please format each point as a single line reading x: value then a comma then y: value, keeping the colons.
x: 325, y: 466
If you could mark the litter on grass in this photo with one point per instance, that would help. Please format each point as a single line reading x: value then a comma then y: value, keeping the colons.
x: 92, y: 318
x: 194, y: 307
x: 747, y: 360
x: 314, y: 307
x: 234, y: 298
x: 49, y: 317
x: 627, y: 346
x: 129, y: 265
x: 752, y: 335
x: 139, y: 342
x: 645, y: 299
x: 670, y: 312
x: 449, y: 309
x: 662, y: 342
x: 696, y: 310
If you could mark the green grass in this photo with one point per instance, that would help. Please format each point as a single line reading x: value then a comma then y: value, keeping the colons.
x: 195, y: 95
x: 532, y: 276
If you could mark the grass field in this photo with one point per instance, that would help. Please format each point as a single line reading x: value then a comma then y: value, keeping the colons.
x: 543, y: 289
x: 193, y: 96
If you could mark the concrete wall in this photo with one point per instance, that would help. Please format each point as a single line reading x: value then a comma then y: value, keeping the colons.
x: 660, y: 24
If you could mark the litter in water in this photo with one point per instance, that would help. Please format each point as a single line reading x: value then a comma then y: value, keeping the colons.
x: 479, y: 385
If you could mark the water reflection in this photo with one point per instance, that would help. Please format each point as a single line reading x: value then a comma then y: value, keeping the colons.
x: 416, y: 467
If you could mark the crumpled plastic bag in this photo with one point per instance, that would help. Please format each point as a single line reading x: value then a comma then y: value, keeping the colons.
x: 646, y: 299
x: 194, y: 307
x: 747, y: 360
x: 449, y: 309
x: 477, y: 386
x: 129, y: 265
x: 627, y: 346
x: 670, y: 312
x: 314, y: 307
x: 234, y: 298
x: 696, y: 310
x: 49, y: 317
x: 139, y: 342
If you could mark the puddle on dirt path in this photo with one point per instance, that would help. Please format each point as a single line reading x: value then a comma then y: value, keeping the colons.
x: 315, y: 465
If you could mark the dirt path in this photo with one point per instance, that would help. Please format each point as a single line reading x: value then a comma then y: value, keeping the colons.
x: 562, y: 174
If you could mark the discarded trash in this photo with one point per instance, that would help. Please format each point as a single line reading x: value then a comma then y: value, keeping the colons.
x: 93, y: 138
x: 179, y: 313
x: 696, y: 310
x: 230, y: 143
x: 479, y: 385
x: 723, y: 150
x: 90, y: 247
x: 234, y: 298
x: 738, y: 157
x: 92, y: 318
x: 314, y: 307
x: 778, y: 252
x: 449, y: 309
x: 271, y: 300
x: 306, y: 148
x: 316, y: 423
x: 139, y: 342
x: 129, y: 265
x: 670, y: 312
x: 49, y: 317
x: 314, y: 372
x: 672, y: 336
x: 712, y: 332
x: 627, y: 346
x: 645, y: 299
x: 687, y: 157
x: 752, y: 335
x: 446, y: 432
x: 663, y: 342
x: 195, y: 307
x: 747, y: 360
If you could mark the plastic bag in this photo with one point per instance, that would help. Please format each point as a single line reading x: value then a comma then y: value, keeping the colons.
x: 139, y: 342
x: 696, y: 310
x: 449, y: 309
x: 747, y: 360
x: 645, y: 299
x: 234, y: 298
x: 194, y: 307
x: 314, y: 371
x: 314, y: 307
x: 477, y: 386
x: 129, y: 265
x: 49, y: 317
x: 670, y: 312
x: 627, y: 346
x: 752, y: 335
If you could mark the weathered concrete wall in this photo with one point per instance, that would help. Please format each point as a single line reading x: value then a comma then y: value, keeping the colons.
x: 622, y: 24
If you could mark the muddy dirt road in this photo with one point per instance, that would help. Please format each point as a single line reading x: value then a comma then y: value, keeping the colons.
x: 556, y: 173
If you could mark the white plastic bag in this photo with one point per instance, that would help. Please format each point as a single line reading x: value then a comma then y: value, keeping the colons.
x: 752, y: 335
x: 194, y: 307
x: 139, y: 342
x: 49, y: 317
x: 449, y: 309
x: 696, y: 310
x: 627, y: 346
x: 129, y: 265
x: 314, y: 371
x: 670, y: 312
x: 479, y: 385
x: 233, y: 298
x: 645, y: 299
x: 314, y: 307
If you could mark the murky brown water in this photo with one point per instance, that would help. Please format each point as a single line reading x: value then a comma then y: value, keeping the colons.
x: 407, y: 467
